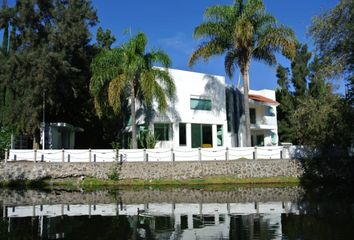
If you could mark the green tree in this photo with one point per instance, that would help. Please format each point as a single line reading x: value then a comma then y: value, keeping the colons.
x: 300, y: 69
x: 319, y: 122
x: 286, y: 107
x: 129, y: 69
x: 333, y: 32
x: 244, y: 31
x: 104, y: 39
x: 49, y: 51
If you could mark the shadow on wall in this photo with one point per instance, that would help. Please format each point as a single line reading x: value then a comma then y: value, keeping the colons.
x: 147, y: 115
x: 215, y: 90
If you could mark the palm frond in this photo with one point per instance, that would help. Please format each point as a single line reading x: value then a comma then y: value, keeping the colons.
x: 231, y: 58
x: 218, y: 13
x: 115, y: 88
x: 158, y: 57
x: 208, y: 49
x: 279, y: 39
x: 265, y: 55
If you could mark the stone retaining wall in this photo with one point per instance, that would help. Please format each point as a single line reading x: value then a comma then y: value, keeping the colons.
x: 152, y: 170
x: 140, y: 196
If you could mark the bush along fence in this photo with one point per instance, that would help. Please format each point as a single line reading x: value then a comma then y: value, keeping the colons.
x: 149, y: 155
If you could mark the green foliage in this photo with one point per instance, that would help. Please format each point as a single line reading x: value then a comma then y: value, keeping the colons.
x: 48, y: 51
x: 147, y: 140
x: 333, y: 32
x: 129, y: 72
x: 114, y: 175
x: 318, y: 121
x: 115, y: 144
x: 243, y: 31
x: 5, y: 141
x: 104, y: 39
x: 300, y: 69
x: 311, y: 114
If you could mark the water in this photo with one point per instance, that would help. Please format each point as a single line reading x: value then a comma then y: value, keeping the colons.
x: 238, y: 213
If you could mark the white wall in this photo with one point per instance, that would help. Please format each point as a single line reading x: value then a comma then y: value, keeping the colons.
x: 192, y: 84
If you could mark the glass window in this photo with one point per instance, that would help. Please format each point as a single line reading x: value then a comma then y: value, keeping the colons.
x: 161, y: 131
x: 270, y: 111
x: 202, y: 136
x: 196, y: 136
x: 274, y: 138
x: 200, y: 104
x: 182, y: 134
x: 253, y: 115
x: 219, y: 135
x: 207, y: 136
x: 260, y: 140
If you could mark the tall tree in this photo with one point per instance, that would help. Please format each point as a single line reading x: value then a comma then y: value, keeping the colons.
x: 49, y: 51
x: 129, y: 68
x: 104, y: 39
x: 286, y: 100
x: 333, y: 32
x: 244, y: 31
x: 300, y: 69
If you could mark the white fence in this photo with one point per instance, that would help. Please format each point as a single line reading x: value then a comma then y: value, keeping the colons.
x: 148, y: 155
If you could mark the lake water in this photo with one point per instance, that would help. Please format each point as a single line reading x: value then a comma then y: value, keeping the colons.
x: 176, y: 213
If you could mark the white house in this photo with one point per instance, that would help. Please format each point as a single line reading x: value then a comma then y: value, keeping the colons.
x: 208, y: 113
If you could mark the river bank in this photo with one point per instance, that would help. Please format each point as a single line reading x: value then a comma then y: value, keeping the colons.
x: 152, y: 173
x: 208, y: 182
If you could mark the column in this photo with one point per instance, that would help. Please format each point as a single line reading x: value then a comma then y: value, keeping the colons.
x: 190, y: 221
x: 189, y: 134
x: 214, y: 135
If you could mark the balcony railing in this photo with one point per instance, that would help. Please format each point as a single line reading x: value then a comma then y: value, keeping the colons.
x: 265, y: 121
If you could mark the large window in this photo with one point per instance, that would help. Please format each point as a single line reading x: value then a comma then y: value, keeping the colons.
x: 253, y: 115
x: 161, y: 131
x: 182, y: 134
x: 200, y: 104
x: 202, y: 136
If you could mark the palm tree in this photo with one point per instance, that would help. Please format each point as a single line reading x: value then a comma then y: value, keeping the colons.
x: 243, y: 31
x: 130, y: 69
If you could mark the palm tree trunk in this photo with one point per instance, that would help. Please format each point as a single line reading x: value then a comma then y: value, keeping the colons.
x: 245, y: 76
x: 134, y: 144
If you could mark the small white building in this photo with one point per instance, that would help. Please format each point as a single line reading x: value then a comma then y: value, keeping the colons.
x: 207, y: 113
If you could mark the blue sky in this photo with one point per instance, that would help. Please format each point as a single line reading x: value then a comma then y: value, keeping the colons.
x: 169, y: 25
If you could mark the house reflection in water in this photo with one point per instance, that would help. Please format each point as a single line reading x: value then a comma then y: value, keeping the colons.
x: 152, y: 221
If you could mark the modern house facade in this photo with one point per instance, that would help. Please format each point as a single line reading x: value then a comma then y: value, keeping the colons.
x: 207, y: 113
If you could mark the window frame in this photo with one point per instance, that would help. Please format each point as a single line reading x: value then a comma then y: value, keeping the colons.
x: 166, y: 131
x: 206, y: 106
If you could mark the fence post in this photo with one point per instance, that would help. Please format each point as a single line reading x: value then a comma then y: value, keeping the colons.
x: 144, y: 156
x: 255, y: 155
x: 121, y: 158
x: 62, y: 155
x: 68, y: 157
x: 172, y: 155
x: 90, y: 155
x: 227, y: 154
x: 6, y: 155
x: 117, y: 154
x: 35, y: 155
x: 199, y: 154
x: 282, y: 153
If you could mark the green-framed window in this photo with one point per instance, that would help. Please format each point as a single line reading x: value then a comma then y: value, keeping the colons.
x: 200, y: 104
x: 162, y: 131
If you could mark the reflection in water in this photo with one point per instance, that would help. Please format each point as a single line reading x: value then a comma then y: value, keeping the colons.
x: 113, y: 218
